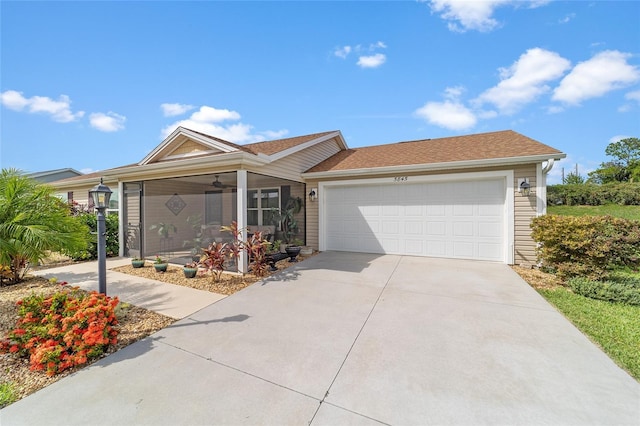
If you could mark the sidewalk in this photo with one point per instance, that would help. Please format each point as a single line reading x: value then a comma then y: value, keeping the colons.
x: 174, y: 301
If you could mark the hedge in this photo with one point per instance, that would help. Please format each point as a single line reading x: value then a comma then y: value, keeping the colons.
x: 112, y: 245
x: 623, y: 291
x: 589, y: 246
x: 626, y: 193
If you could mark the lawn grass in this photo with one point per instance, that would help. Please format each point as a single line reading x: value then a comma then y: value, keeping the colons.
x: 615, y: 210
x: 613, y: 326
x: 7, y: 394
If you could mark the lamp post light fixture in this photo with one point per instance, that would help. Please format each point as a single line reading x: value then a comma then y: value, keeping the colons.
x: 101, y: 194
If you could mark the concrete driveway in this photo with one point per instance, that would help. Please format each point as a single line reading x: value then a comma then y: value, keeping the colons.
x: 357, y: 339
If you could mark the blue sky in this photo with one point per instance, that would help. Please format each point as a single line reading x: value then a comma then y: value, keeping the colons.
x: 95, y: 85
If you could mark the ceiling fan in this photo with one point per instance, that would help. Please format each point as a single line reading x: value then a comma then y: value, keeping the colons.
x: 217, y: 184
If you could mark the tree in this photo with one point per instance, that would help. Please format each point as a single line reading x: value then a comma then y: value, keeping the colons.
x: 625, y: 166
x: 33, y: 221
x: 573, y: 179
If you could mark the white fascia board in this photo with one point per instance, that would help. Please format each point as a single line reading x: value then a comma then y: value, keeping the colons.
x: 430, y: 167
x: 297, y: 148
x: 178, y: 167
x: 191, y: 135
x: 183, y: 167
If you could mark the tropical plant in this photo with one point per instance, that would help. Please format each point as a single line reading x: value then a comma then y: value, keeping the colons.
x: 286, y: 217
x: 164, y: 229
x: 195, y: 222
x: 213, y: 259
x: 33, y: 221
x: 256, y: 247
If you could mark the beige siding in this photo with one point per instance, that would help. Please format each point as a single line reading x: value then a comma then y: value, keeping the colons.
x: 189, y: 147
x: 293, y: 165
x: 313, y: 227
x: 525, y: 210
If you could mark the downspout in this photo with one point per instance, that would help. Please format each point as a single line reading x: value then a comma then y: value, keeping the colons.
x: 542, y: 186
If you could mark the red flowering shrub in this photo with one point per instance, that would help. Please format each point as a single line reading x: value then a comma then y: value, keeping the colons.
x: 64, y: 330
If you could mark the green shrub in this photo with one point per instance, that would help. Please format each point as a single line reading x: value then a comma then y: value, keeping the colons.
x: 91, y: 221
x: 627, y: 193
x: 626, y: 291
x: 589, y: 246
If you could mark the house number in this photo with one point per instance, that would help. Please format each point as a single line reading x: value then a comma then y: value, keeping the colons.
x: 400, y: 179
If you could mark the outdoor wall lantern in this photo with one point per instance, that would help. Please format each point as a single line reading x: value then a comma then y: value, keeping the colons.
x: 101, y: 194
x: 524, y: 187
x: 313, y: 194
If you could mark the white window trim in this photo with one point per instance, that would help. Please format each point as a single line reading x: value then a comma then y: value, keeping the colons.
x: 260, y: 209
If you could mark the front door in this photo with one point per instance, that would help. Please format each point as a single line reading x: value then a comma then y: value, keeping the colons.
x: 133, y: 218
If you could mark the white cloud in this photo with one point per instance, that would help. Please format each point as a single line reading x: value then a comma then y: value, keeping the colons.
x: 109, y: 122
x: 342, y: 52
x: 474, y: 15
x: 170, y: 110
x: 373, y: 61
x: 567, y: 18
x: 595, y: 77
x: 214, y: 115
x: 211, y: 120
x: 59, y: 110
x: 450, y: 114
x: 633, y: 96
x: 366, y: 57
x: 13, y: 100
x: 525, y: 80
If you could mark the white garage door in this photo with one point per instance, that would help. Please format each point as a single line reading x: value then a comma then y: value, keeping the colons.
x: 462, y: 219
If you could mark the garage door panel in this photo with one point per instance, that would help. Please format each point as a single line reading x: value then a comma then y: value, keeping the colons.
x: 443, y: 219
x: 463, y: 229
x: 489, y: 229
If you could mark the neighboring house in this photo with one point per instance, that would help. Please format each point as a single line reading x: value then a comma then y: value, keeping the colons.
x: 54, y: 175
x: 454, y: 197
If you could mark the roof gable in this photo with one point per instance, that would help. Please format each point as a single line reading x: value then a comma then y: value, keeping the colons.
x: 281, y: 145
x: 470, y: 148
x: 183, y: 143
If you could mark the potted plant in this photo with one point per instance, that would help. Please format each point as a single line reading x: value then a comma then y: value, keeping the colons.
x: 160, y: 264
x: 164, y: 229
x: 293, y: 250
x: 190, y: 270
x: 137, y: 262
x: 195, y: 222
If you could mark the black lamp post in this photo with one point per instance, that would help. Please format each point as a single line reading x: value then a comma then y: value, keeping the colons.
x: 101, y: 194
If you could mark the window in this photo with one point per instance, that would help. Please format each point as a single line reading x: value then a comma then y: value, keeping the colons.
x: 213, y: 208
x: 259, y: 205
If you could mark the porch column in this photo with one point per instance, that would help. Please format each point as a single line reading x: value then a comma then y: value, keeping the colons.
x: 242, y: 216
x: 121, y: 227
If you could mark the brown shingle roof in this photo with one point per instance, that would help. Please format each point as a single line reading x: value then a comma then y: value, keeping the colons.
x: 278, y: 145
x: 484, y: 146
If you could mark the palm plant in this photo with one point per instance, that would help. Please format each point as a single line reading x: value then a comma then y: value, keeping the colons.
x: 33, y: 221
